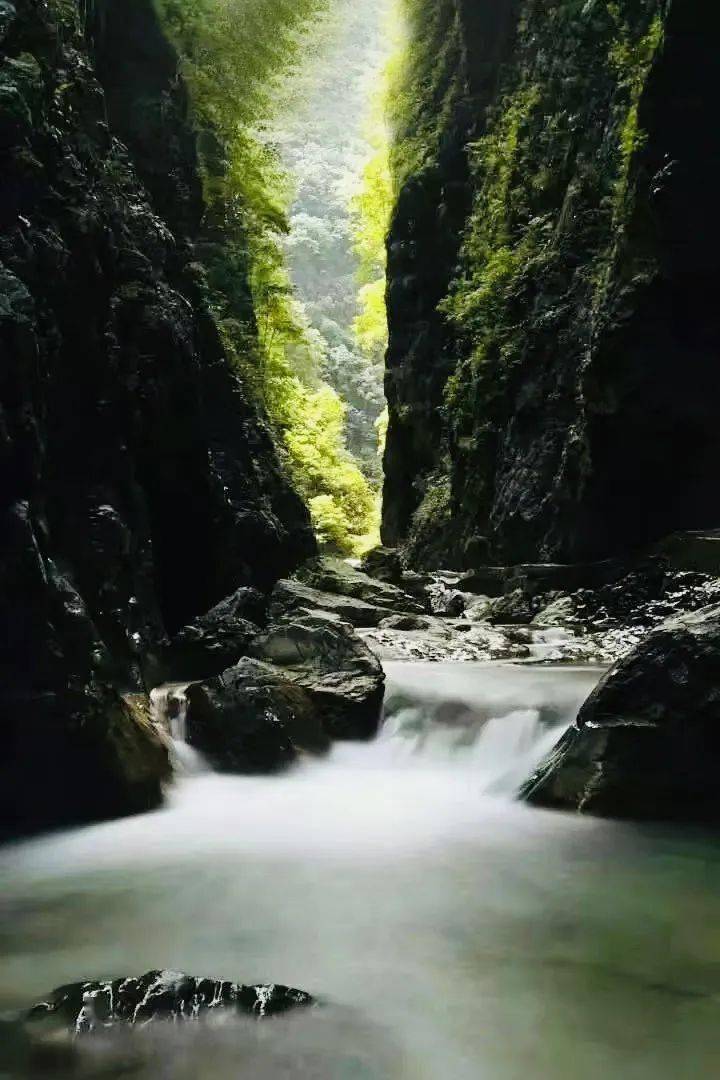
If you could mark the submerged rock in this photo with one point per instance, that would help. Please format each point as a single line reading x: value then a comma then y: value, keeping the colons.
x: 319, y: 653
x: 85, y: 1008
x: 251, y: 719
x: 646, y: 744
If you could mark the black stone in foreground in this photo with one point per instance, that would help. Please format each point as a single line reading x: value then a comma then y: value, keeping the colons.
x: 646, y: 743
x: 86, y: 1007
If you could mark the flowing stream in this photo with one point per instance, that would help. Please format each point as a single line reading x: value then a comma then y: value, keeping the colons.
x: 453, y: 933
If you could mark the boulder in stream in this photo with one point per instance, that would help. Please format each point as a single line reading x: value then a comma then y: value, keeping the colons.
x: 323, y: 656
x: 512, y: 609
x: 646, y: 743
x: 289, y: 596
x: 251, y: 719
x: 383, y: 563
x: 84, y: 1008
x: 337, y: 577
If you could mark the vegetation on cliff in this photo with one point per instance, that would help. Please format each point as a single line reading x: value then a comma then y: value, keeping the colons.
x: 330, y: 140
x: 237, y: 60
x: 543, y: 102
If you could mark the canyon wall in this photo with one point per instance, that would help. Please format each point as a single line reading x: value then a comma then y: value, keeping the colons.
x: 553, y: 370
x: 140, y: 484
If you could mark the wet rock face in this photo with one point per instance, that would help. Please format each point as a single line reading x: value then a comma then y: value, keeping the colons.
x: 646, y: 744
x: 309, y: 679
x: 423, y: 248
x: 323, y: 656
x: 553, y: 418
x: 252, y: 719
x: 139, y: 485
x: 87, y: 1008
x: 71, y: 756
x: 217, y: 639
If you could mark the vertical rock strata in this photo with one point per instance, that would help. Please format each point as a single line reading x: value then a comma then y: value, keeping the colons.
x: 139, y: 483
x: 552, y: 374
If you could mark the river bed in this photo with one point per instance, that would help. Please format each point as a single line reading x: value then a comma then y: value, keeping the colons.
x: 453, y: 933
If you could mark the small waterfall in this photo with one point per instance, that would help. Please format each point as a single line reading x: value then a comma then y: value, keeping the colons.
x: 500, y: 749
x: 498, y: 722
x: 169, y: 708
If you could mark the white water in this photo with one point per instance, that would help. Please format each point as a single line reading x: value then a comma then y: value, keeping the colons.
x: 455, y: 933
x: 169, y: 709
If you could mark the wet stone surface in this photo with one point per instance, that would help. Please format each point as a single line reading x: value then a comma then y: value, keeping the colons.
x: 87, y: 1007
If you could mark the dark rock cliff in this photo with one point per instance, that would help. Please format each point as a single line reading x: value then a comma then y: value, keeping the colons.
x: 139, y: 484
x: 553, y: 368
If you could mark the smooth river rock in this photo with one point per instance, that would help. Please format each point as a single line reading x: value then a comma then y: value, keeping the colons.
x: 646, y: 744
x: 384, y: 564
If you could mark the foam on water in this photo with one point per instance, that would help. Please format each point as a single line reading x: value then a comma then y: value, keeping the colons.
x: 456, y: 933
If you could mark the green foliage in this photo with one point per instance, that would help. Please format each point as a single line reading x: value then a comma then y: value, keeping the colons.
x: 425, y: 81
x: 335, y: 248
x: 632, y: 58
x: 236, y: 57
x: 434, y: 514
x: 341, y: 501
x: 525, y: 235
x: 371, y: 209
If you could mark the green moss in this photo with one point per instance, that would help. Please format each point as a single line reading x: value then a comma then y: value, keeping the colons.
x: 534, y: 176
x: 425, y: 85
x: 434, y: 513
x: 545, y: 258
x: 632, y: 59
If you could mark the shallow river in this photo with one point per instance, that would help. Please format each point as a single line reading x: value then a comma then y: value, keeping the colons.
x: 455, y: 934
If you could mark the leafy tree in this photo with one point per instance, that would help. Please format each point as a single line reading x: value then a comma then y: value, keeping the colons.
x: 237, y: 57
